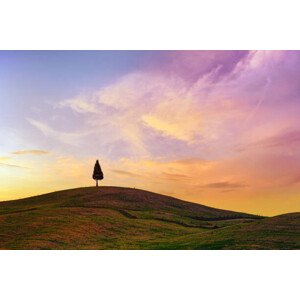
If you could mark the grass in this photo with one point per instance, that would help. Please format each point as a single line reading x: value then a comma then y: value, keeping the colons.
x: 122, y: 218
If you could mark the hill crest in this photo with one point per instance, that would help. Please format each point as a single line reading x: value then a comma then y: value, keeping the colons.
x: 126, y: 218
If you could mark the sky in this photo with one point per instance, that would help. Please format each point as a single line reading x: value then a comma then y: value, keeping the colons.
x: 220, y: 128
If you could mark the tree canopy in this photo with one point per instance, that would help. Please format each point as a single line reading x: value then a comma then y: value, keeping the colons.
x: 98, y: 174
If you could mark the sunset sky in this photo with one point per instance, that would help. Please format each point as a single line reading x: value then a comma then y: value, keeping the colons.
x: 220, y: 128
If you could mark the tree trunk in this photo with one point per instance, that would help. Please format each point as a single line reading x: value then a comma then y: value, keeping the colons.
x: 96, y: 182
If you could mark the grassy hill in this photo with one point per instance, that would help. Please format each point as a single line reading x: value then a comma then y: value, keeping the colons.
x: 123, y: 218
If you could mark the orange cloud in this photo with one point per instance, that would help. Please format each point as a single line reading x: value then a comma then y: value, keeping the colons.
x: 30, y: 152
x: 224, y: 185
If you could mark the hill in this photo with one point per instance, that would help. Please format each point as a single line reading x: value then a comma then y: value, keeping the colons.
x: 124, y: 218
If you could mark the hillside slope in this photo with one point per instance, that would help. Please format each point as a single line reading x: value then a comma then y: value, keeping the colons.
x: 123, y: 218
x: 280, y: 232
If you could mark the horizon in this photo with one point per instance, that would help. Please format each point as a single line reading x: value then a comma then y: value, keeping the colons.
x: 218, y: 128
x: 127, y: 187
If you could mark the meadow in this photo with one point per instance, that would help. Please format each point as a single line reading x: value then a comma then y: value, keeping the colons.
x: 125, y: 218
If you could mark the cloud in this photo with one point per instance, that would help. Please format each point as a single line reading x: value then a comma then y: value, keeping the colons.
x: 283, y: 139
x: 176, y: 118
x: 3, y: 158
x: 12, y: 166
x: 71, y: 138
x: 191, y: 161
x: 30, y: 152
x: 126, y: 173
x: 163, y: 109
x: 224, y: 185
x: 79, y: 105
x: 192, y: 65
x: 175, y: 176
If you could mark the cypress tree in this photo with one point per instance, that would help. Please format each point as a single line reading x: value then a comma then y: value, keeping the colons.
x: 98, y: 174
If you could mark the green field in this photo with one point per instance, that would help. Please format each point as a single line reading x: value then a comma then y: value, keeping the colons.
x: 124, y: 218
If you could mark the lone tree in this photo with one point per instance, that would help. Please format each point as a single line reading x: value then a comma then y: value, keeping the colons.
x: 98, y: 174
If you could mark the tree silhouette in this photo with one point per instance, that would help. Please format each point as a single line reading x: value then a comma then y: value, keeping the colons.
x: 98, y: 174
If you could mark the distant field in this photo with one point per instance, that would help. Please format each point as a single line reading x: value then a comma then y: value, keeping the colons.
x: 123, y: 218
